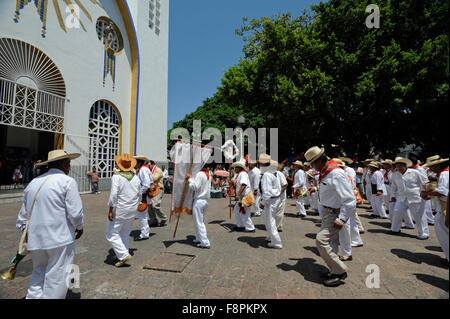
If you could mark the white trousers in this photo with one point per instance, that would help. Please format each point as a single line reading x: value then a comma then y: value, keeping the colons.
x: 256, y: 205
x: 51, y: 269
x: 369, y: 192
x: 349, y: 235
x: 143, y: 224
x: 314, y: 199
x: 300, y: 206
x: 320, y: 212
x: 428, y: 211
x: 270, y: 211
x: 118, y: 235
x: 417, y: 211
x: 199, y: 209
x: 387, y: 197
x: 377, y: 206
x: 442, y: 232
x: 243, y: 220
x: 279, y: 216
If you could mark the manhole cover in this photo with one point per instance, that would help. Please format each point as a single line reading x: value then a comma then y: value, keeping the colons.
x: 171, y: 262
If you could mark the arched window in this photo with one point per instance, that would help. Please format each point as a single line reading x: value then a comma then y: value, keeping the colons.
x: 104, y: 134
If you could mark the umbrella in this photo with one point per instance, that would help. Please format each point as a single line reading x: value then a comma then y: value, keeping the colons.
x: 222, y: 173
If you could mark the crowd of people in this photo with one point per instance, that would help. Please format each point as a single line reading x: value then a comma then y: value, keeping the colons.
x: 399, y: 190
x: 16, y: 171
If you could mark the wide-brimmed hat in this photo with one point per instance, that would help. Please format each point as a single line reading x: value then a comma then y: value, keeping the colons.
x: 374, y: 164
x: 141, y: 158
x: 264, y: 159
x: 298, y: 163
x: 388, y: 162
x: 402, y: 160
x: 435, y: 160
x: 240, y: 164
x: 307, y: 164
x: 58, y: 155
x: 314, y: 153
x: 367, y: 161
x: 346, y: 160
x: 125, y: 162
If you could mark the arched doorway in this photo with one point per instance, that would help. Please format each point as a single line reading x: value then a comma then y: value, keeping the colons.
x: 104, y: 135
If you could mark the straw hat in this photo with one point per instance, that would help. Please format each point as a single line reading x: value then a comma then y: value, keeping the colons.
x: 264, y: 159
x: 141, y: 158
x: 298, y: 163
x: 307, y: 164
x: 346, y: 160
x: 435, y: 160
x: 374, y: 164
x: 125, y: 162
x: 314, y: 153
x: 402, y: 160
x: 388, y: 162
x: 58, y: 155
x: 240, y: 164
x: 367, y: 161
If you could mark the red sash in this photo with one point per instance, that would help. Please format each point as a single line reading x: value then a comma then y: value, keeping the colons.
x: 415, y: 166
x: 206, y: 173
x: 154, y: 169
x: 386, y: 178
x: 329, y: 166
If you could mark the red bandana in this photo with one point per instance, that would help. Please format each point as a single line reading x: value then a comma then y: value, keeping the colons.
x: 329, y: 166
x: 386, y: 175
x: 206, y: 173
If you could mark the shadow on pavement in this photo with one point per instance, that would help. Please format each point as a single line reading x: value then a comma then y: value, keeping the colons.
x: 307, y: 267
x: 388, y: 232
x: 312, y: 249
x: 188, y: 241
x: 260, y: 227
x: 434, y: 248
x: 434, y: 281
x: 311, y: 219
x: 254, y: 242
x: 382, y: 224
x: 291, y: 215
x: 111, y: 258
x: 216, y: 222
x: 312, y: 236
x: 136, y: 233
x: 418, y: 258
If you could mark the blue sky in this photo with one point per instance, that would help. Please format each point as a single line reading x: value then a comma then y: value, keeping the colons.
x: 202, y: 45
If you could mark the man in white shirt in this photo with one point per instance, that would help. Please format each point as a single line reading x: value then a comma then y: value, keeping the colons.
x: 337, y: 199
x: 270, y: 199
x: 242, y: 184
x: 279, y: 216
x: 406, y: 187
x: 378, y: 189
x: 145, y: 176
x: 299, y: 188
x: 439, y: 166
x: 123, y: 204
x: 202, y: 192
x: 55, y: 223
x: 366, y: 180
x: 254, y: 175
x: 165, y: 177
x: 426, y: 203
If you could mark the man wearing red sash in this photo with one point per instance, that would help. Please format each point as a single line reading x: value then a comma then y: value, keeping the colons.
x: 337, y: 199
x: 202, y: 188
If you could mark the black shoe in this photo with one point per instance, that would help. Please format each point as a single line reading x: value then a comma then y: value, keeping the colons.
x: 141, y: 238
x: 395, y: 232
x: 250, y: 231
x: 162, y: 224
x: 328, y: 275
x: 238, y: 228
x: 154, y: 225
x: 335, y: 280
x: 349, y: 258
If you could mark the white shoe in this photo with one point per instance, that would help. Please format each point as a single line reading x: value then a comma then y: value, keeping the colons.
x: 257, y: 214
x: 277, y: 246
x: 196, y: 241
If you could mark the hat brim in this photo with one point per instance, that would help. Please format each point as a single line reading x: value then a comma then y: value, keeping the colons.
x: 408, y: 163
x: 60, y: 158
x: 141, y: 158
x: 119, y: 160
x: 315, y: 158
x: 440, y: 161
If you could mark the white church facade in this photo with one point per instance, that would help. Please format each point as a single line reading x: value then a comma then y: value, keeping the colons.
x: 86, y: 76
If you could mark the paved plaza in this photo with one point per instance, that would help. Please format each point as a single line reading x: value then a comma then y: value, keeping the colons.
x: 238, y: 265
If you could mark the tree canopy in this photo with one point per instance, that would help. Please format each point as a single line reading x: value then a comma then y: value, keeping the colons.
x: 325, y: 78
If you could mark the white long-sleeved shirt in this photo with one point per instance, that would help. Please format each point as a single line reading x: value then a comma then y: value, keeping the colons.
x: 443, y: 186
x: 283, y: 182
x: 378, y: 179
x: 243, y: 179
x: 270, y: 187
x: 299, y: 179
x: 336, y: 191
x: 124, y: 197
x: 145, y: 176
x: 351, y: 173
x: 201, y: 186
x: 408, y: 186
x: 57, y: 212
x: 255, y: 177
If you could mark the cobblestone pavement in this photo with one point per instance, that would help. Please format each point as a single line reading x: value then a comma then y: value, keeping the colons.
x: 238, y: 265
